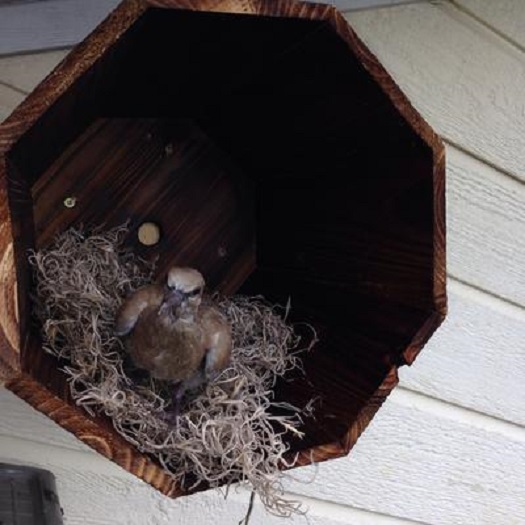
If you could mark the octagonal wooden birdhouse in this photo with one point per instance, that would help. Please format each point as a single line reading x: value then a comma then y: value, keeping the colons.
x: 277, y: 156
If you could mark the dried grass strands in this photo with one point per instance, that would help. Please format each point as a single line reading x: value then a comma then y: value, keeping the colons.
x: 229, y: 432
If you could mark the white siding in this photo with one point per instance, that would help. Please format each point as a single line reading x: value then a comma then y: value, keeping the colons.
x: 9, y: 98
x: 485, y: 222
x: 503, y: 16
x: 27, y: 71
x: 477, y: 358
x: 448, y: 446
x: 49, y: 25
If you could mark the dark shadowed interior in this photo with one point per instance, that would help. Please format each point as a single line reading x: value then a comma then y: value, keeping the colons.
x: 272, y: 162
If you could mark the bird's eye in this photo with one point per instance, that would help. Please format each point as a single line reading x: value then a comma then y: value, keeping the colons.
x: 195, y: 292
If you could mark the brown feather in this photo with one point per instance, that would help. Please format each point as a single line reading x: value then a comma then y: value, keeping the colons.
x: 147, y: 297
x: 168, y: 348
x: 188, y: 343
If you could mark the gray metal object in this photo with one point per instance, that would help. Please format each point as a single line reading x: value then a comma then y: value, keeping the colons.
x: 28, y: 496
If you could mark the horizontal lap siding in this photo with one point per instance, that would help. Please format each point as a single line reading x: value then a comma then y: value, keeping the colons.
x: 486, y: 225
x: 9, y: 98
x: 50, y: 24
x: 419, y: 460
x: 423, y: 459
x: 465, y: 80
x: 507, y: 17
x: 476, y: 359
x: 25, y: 71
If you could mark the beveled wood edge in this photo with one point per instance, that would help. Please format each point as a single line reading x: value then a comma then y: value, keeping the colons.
x: 105, y: 441
x: 338, y: 449
x: 9, y: 365
x: 440, y: 232
x: 10, y: 337
x: 368, y: 412
x: 421, y: 338
x: 318, y: 454
x: 437, y: 316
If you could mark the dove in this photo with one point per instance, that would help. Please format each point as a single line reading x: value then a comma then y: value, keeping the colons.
x: 172, y: 334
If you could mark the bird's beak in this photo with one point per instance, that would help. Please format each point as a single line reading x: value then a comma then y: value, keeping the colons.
x: 174, y: 298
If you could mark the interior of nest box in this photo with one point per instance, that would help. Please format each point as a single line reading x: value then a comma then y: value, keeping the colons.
x: 271, y: 161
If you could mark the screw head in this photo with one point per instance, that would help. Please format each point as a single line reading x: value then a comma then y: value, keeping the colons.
x: 70, y: 202
x: 168, y: 150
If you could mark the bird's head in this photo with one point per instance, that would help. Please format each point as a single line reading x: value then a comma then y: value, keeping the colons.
x: 183, y: 290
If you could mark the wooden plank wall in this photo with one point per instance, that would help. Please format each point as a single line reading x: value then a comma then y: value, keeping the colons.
x: 449, y: 445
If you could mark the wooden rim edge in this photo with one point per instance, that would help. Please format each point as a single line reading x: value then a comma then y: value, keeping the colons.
x: 102, y: 440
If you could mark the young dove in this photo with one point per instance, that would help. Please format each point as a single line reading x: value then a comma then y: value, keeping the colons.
x: 174, y: 336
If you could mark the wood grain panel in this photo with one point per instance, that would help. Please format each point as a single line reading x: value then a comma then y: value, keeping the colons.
x: 486, y: 223
x: 163, y: 171
x: 373, y: 405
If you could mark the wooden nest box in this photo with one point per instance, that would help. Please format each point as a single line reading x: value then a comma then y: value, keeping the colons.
x: 276, y: 155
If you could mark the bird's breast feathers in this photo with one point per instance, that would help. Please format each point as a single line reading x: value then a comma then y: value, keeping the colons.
x: 168, y: 348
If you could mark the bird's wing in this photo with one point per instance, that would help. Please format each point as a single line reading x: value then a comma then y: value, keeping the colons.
x: 134, y: 305
x: 218, y: 341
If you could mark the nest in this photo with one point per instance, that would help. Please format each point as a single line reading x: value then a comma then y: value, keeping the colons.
x: 232, y: 430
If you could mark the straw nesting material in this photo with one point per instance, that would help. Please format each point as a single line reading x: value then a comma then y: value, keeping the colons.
x: 229, y: 430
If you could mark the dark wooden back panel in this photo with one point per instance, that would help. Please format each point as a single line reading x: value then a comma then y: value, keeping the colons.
x: 159, y: 170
